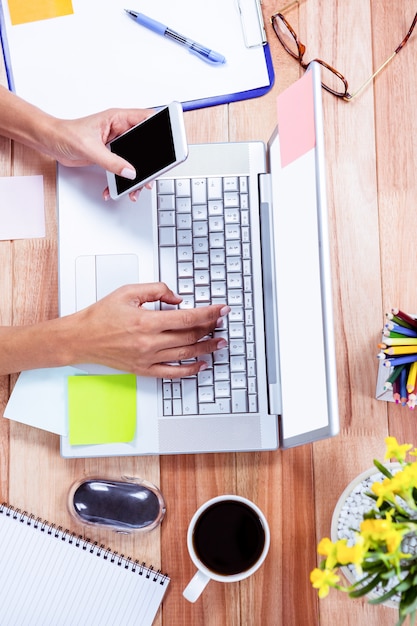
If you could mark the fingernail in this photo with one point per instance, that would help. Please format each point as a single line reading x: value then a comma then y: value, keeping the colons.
x: 219, y: 323
x: 225, y: 310
x: 221, y: 344
x: 135, y: 195
x: 203, y: 366
x: 128, y: 172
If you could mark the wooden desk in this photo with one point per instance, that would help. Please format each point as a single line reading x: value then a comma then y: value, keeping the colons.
x: 372, y: 189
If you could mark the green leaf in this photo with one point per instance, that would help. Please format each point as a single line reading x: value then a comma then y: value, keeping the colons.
x: 382, y: 469
x: 389, y: 594
x: 362, y: 591
x: 408, y: 603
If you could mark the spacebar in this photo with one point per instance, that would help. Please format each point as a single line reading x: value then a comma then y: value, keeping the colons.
x: 168, y: 267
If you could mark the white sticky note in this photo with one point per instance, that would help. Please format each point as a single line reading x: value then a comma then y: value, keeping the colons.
x: 39, y: 399
x: 22, y: 207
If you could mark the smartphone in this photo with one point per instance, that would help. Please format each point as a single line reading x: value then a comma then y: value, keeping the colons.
x: 153, y: 147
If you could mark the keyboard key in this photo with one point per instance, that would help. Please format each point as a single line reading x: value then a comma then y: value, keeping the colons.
x: 168, y: 267
x: 183, y: 187
x: 221, y: 372
x: 185, y: 253
x: 166, y: 218
x: 165, y: 185
x: 238, y: 380
x: 167, y: 236
x: 237, y: 346
x: 185, y: 286
x: 198, y: 190
x: 231, y: 200
x: 221, y: 356
x: 183, y: 205
x: 231, y: 183
x: 236, y: 330
x: 222, y: 389
x: 205, y: 378
x: 185, y: 270
x: 243, y: 184
x: 189, y: 396
x: 214, y: 408
x: 238, y: 363
x: 166, y: 202
x: 206, y: 394
x: 239, y: 401
x: 184, y: 221
x: 201, y: 261
x: 215, y: 208
x: 214, y: 188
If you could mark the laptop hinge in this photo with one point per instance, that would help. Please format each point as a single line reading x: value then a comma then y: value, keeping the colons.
x: 270, y: 295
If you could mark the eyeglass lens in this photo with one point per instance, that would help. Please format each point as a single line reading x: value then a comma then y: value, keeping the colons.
x: 330, y: 79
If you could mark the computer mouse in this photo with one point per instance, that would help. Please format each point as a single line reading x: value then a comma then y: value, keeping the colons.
x: 125, y: 505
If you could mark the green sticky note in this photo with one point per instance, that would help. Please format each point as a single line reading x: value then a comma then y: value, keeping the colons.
x: 101, y: 409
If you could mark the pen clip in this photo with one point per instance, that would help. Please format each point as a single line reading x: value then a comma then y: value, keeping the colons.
x: 252, y: 22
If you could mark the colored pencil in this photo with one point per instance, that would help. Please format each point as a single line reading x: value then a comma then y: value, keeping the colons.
x: 392, y: 326
x: 399, y: 320
x: 412, y: 377
x: 396, y: 391
x: 407, y: 318
x: 403, y: 387
x: 398, y: 341
x: 393, y: 376
x: 401, y: 350
x: 391, y: 334
x: 400, y: 360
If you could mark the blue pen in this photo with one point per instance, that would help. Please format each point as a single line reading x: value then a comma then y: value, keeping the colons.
x: 201, y: 51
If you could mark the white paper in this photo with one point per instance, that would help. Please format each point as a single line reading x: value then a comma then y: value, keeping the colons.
x: 99, y: 57
x: 39, y: 399
x: 22, y: 207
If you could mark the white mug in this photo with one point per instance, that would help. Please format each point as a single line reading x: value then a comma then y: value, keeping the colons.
x: 228, y: 539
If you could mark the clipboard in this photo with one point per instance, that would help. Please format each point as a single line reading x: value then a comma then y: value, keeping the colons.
x: 91, y: 56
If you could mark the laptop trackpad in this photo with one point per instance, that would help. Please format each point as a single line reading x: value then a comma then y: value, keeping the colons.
x: 98, y: 275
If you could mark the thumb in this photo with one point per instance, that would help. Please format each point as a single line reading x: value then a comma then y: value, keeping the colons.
x: 117, y: 165
x: 112, y: 162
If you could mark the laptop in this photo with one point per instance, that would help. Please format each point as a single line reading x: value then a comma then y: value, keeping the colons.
x: 263, y: 247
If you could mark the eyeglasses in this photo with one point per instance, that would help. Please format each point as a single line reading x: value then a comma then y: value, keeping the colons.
x: 332, y: 80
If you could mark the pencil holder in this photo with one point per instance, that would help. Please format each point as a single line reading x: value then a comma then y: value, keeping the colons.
x: 125, y: 505
x: 397, y: 371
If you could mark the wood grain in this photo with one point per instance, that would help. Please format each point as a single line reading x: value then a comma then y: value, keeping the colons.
x: 371, y: 150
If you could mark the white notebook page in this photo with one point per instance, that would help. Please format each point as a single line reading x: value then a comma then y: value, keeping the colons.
x: 51, y: 577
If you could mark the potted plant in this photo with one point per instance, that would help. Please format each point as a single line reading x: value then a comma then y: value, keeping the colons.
x: 382, y: 550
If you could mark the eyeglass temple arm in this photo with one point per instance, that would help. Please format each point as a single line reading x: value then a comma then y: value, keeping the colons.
x: 371, y: 78
x: 396, y: 51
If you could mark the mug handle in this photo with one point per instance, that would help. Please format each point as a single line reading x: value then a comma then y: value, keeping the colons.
x: 196, y: 586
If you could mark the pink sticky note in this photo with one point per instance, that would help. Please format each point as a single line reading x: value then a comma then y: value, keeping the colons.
x: 296, y: 119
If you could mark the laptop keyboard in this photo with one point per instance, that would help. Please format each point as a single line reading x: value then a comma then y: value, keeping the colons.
x: 205, y: 256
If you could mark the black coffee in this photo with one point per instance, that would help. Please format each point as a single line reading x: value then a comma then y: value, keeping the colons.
x: 229, y: 537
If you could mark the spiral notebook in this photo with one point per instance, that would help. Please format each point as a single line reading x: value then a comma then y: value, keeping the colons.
x: 52, y: 576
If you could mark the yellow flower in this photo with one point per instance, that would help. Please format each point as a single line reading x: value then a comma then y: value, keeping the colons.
x: 376, y: 531
x: 395, y: 450
x: 323, y: 580
x: 351, y: 554
x: 384, y: 491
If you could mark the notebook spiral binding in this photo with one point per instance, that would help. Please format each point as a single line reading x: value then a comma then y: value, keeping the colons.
x: 84, y: 543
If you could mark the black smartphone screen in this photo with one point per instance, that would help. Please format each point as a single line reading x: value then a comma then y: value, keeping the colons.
x: 149, y: 148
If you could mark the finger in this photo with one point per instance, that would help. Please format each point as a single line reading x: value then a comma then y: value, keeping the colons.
x: 134, y: 195
x: 192, y: 351
x: 139, y: 294
x: 190, y: 318
x: 164, y: 370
